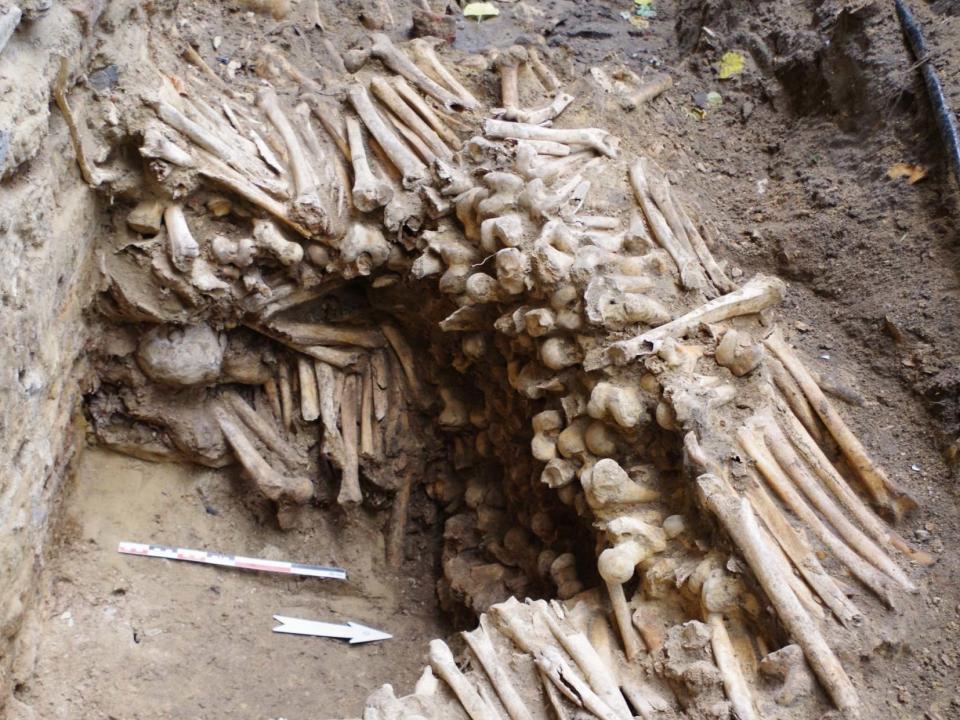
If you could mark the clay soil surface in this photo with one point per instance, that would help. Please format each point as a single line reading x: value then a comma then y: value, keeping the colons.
x: 792, y: 169
x: 132, y: 637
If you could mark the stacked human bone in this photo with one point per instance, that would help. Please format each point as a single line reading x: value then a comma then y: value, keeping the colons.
x: 656, y: 393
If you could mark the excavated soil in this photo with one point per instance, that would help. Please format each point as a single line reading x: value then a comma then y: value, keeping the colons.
x: 791, y: 166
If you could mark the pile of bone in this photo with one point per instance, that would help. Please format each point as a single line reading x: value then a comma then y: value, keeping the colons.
x: 583, y: 312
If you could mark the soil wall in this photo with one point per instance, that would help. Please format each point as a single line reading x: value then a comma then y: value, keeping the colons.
x: 48, y: 222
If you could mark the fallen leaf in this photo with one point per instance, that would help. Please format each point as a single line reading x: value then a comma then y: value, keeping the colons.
x: 730, y: 64
x: 913, y: 173
x: 480, y: 10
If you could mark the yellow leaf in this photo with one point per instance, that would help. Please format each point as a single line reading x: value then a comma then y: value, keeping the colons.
x: 913, y: 173
x: 480, y: 10
x: 730, y: 64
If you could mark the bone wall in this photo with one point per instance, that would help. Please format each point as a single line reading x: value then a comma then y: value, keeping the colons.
x: 48, y: 223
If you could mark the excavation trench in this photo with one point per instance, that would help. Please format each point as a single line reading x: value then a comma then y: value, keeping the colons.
x: 420, y: 314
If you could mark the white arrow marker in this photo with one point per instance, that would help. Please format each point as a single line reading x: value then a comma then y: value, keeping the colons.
x: 354, y: 632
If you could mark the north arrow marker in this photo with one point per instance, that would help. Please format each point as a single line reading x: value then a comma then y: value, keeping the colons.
x: 354, y: 632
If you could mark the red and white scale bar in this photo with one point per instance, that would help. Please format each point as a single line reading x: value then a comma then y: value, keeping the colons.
x: 234, y: 561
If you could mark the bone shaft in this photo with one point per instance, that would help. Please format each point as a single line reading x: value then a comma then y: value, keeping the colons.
x: 349, y: 406
x: 322, y: 334
x: 739, y: 522
x: 621, y: 613
x: 302, y: 173
x: 263, y: 429
x: 273, y: 395
x: 797, y: 471
x: 758, y: 294
x: 875, y: 480
x: 779, y: 482
x: 509, y: 88
x: 181, y: 243
x: 385, y: 92
x: 237, y: 183
x: 799, y: 587
x: 398, y: 523
x: 738, y: 692
x: 815, y: 458
x: 405, y: 161
x: 395, y: 60
x: 405, y: 355
x: 650, y: 89
x: 794, y: 396
x: 429, y: 56
x: 443, y: 664
x: 426, y: 112
x: 366, y: 412
x: 544, y: 73
x: 309, y: 398
x: 802, y: 556
x: 286, y: 395
x: 483, y: 649
x: 603, y: 682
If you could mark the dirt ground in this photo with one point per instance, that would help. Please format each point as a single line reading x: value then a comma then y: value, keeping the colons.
x: 134, y: 637
x: 792, y: 168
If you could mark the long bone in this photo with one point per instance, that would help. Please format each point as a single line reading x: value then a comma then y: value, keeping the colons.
x: 263, y: 429
x: 443, y: 664
x: 815, y: 458
x: 286, y: 395
x: 413, y: 172
x: 479, y: 642
x: 158, y: 146
x: 786, y: 544
x: 324, y: 334
x: 369, y: 191
x: 691, y: 273
x: 550, y: 661
x: 413, y: 140
x: 793, y: 394
x: 738, y: 520
x: 367, y: 441
x: 308, y: 207
x: 682, y: 227
x: 327, y: 174
x: 329, y: 116
x: 789, y: 461
x: 781, y: 484
x: 432, y: 119
x: 205, y: 139
x: 272, y: 484
x: 349, y: 408
x: 389, y: 97
x: 508, y: 66
x: 804, y: 559
x: 394, y: 59
x: 327, y: 383
x: 600, y: 140
x: 578, y: 647
x: 738, y: 692
x: 546, y: 113
x: 546, y: 75
x: 797, y: 584
x: 700, y: 248
x: 424, y: 51
x: 883, y: 491
x: 309, y: 395
x: 181, y: 245
x: 757, y: 295
x: 220, y: 173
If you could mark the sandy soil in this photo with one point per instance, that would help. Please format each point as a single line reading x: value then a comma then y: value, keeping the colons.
x: 792, y: 168
x: 129, y: 637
